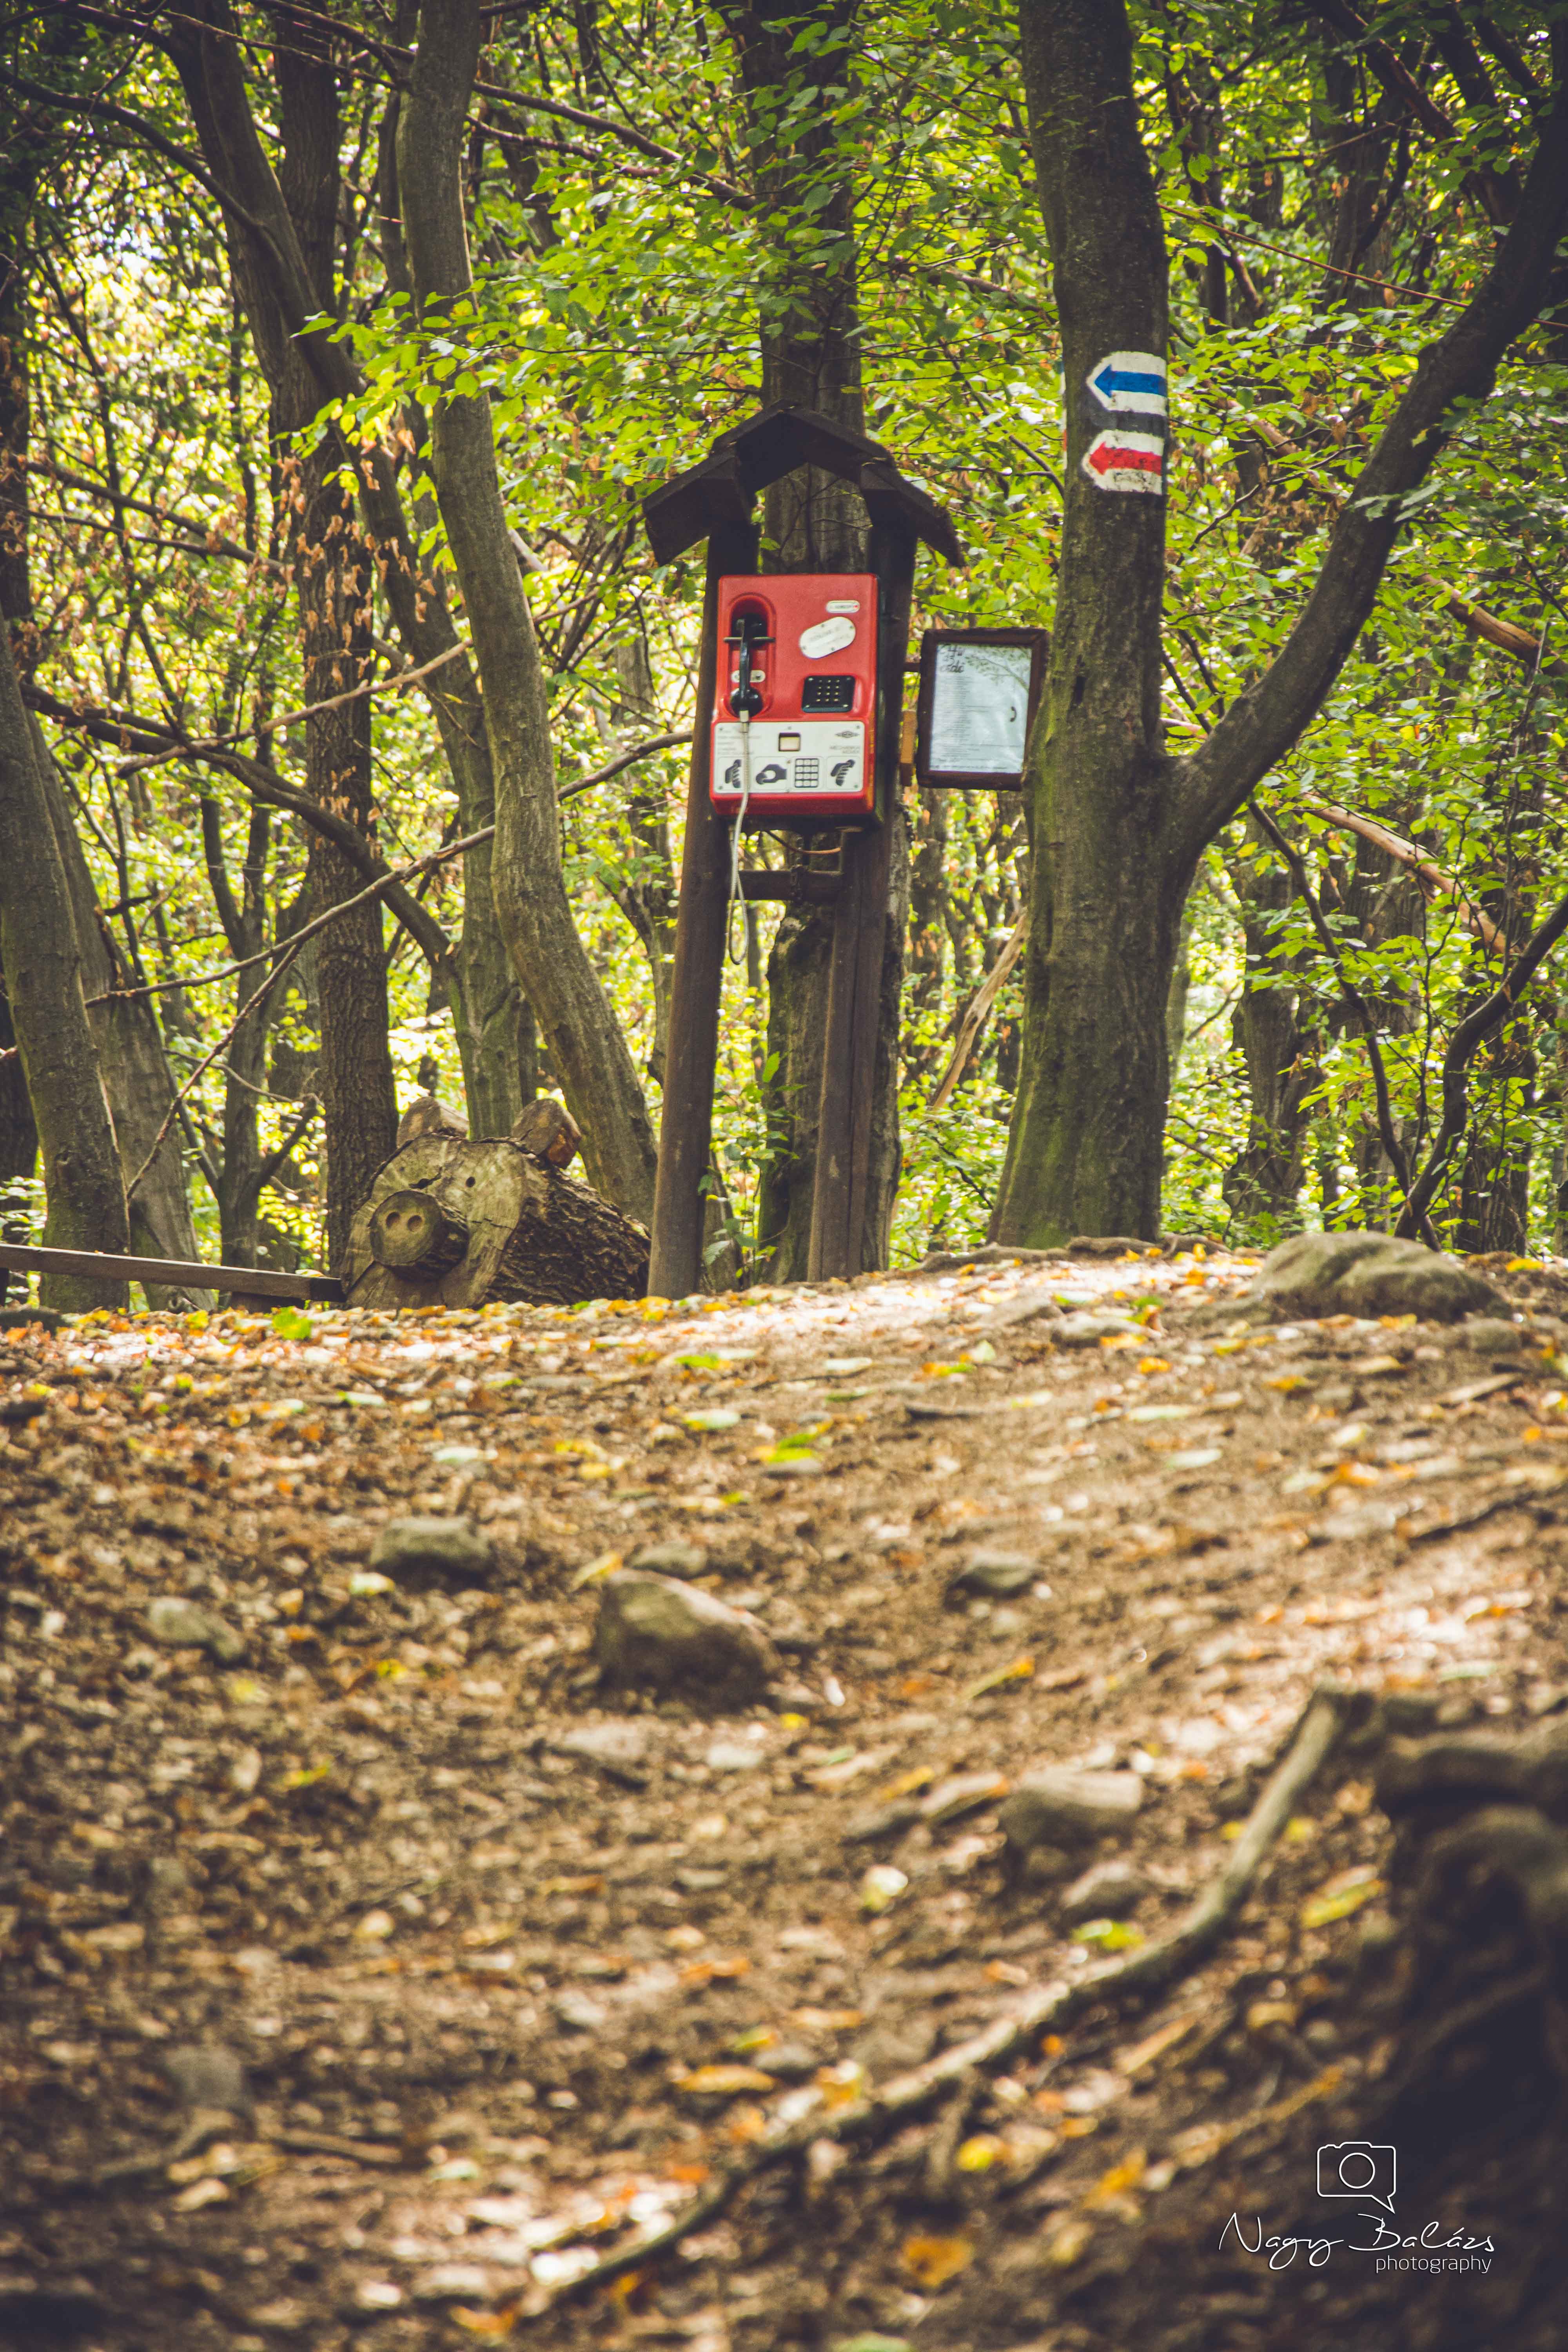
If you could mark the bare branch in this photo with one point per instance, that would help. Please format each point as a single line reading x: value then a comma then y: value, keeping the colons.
x: 979, y: 1005
x: 1431, y: 879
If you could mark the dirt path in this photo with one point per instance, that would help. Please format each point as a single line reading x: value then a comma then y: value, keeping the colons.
x: 477, y: 1968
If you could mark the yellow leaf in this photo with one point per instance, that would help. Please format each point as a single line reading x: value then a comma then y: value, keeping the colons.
x: 980, y: 2152
x: 1066, y: 2243
x: 1121, y: 2177
x: 1335, y: 1900
x: 843, y: 2084
x: 932, y: 2262
x: 606, y: 1565
x: 1020, y: 1671
x: 491, y: 2324
x: 724, y: 2082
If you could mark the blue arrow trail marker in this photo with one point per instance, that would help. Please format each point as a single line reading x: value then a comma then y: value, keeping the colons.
x: 1131, y: 383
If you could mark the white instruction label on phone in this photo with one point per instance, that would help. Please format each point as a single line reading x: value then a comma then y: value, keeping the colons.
x: 827, y: 638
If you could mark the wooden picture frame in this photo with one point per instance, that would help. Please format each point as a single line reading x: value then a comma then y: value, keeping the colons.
x: 940, y: 731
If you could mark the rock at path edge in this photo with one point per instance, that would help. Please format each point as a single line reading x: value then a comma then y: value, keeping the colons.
x: 1368, y: 1275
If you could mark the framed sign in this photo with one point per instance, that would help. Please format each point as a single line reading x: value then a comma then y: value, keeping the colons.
x: 978, y: 693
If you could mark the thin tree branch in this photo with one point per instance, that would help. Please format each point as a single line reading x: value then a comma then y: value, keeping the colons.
x: 1462, y: 1045
x: 1261, y: 725
x: 296, y: 939
x: 194, y: 747
x: 1505, y: 634
x: 207, y: 1059
x: 264, y: 784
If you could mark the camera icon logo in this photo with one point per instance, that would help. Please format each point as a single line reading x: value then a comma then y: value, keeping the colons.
x: 1362, y: 2168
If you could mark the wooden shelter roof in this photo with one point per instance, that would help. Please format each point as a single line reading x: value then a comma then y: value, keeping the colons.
x: 744, y: 461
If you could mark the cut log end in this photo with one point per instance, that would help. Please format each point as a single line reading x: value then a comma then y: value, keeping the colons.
x: 428, y: 1115
x: 412, y: 1233
x: 547, y: 1129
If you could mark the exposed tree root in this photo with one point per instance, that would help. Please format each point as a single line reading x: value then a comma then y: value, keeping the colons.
x: 1329, y: 1712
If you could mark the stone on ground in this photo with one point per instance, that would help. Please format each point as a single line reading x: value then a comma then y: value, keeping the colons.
x: 1370, y: 1274
x: 1059, y: 1807
x: 182, y: 1625
x: 206, y: 2075
x: 617, y: 1748
x: 998, y: 1575
x: 682, y: 1560
x: 1107, y: 1890
x: 656, y: 1635
x: 432, y: 1551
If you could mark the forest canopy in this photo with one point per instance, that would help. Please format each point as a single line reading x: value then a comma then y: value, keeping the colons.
x: 341, y: 347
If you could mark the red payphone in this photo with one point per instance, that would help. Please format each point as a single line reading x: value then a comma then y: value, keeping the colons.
x: 794, y: 714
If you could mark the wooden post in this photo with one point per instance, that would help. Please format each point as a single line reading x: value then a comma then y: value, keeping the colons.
x: 686, y: 1127
x: 839, y: 1242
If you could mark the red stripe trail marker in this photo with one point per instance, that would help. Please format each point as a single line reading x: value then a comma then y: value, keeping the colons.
x: 1126, y: 461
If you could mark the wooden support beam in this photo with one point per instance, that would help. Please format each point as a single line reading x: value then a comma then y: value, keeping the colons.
x: 798, y: 887
x: 840, y: 1241
x: 252, y: 1283
x: 685, y: 1128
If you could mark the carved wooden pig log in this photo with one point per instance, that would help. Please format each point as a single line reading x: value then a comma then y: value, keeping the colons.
x: 451, y: 1222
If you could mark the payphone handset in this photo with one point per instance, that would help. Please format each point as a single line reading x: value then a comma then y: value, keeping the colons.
x: 794, y: 711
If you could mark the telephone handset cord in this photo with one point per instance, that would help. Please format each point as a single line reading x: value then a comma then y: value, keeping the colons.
x: 744, y: 716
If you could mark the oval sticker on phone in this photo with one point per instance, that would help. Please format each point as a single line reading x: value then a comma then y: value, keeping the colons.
x: 827, y: 638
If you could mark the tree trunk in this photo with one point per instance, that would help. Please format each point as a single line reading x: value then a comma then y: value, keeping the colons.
x: 492, y: 1018
x: 810, y: 322
x: 85, y: 1189
x: 1118, y: 825
x: 131, y: 1060
x: 641, y: 878
x: 1179, y: 993
x: 18, y: 1138
x: 1262, y: 1184
x: 127, y: 1044
x: 276, y: 261
x: 586, y: 1048
x: 18, y: 1132
x: 1109, y: 876
x: 334, y: 581
x: 928, y: 919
